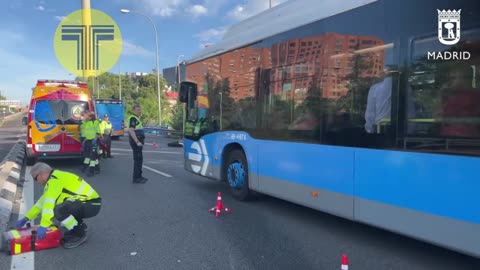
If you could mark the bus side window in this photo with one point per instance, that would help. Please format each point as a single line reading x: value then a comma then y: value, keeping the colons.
x: 445, y: 93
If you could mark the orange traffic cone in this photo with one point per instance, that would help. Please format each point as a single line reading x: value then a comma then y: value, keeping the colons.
x: 344, y: 262
x: 219, y: 207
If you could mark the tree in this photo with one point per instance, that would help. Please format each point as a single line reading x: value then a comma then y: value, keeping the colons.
x: 142, y: 92
x: 228, y: 104
x: 177, y: 117
x: 219, y: 92
x: 278, y: 113
x: 354, y: 102
x: 245, y: 114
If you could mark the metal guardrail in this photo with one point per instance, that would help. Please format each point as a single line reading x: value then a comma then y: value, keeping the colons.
x: 177, y: 136
x: 163, y: 132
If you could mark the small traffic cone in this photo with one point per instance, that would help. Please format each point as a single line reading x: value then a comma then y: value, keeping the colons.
x: 344, y: 262
x: 219, y: 207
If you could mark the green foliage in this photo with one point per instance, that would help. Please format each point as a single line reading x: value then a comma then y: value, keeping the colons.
x: 219, y: 92
x: 246, y: 115
x: 142, y: 91
x: 354, y: 102
x: 279, y: 113
x: 177, y: 116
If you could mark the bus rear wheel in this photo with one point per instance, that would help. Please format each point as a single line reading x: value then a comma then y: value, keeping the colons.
x: 236, y: 175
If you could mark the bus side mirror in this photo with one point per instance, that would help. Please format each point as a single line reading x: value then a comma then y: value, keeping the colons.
x: 24, y: 121
x: 188, y: 90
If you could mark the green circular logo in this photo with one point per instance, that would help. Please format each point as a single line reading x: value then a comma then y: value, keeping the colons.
x: 87, y: 43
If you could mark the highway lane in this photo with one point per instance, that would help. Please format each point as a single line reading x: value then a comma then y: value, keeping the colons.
x: 165, y: 224
x: 10, y: 132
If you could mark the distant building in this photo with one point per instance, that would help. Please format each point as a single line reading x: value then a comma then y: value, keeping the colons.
x: 293, y: 66
x: 323, y: 61
x: 171, y: 74
x: 12, y: 103
x: 135, y: 76
x: 9, y: 105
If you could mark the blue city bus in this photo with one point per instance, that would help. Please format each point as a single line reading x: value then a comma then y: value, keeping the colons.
x: 114, y: 108
x: 364, y: 109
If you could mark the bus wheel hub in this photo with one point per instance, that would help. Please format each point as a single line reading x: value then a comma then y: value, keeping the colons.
x: 236, y: 175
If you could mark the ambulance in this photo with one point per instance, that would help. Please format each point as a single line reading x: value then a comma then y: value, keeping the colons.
x: 54, y: 117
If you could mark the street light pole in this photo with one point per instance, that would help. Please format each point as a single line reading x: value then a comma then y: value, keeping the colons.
x: 93, y: 86
x: 178, y: 69
x: 221, y: 109
x: 124, y: 11
x: 119, y: 80
x: 87, y: 22
x: 178, y: 91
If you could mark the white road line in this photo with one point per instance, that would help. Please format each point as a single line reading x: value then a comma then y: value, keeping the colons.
x: 164, y: 161
x: 147, y: 151
x: 120, y: 154
x: 124, y: 142
x: 25, y: 261
x: 156, y: 171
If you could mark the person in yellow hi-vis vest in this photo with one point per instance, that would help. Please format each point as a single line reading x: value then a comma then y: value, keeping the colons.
x: 81, y: 134
x: 98, y: 124
x: 91, y: 133
x: 106, y: 130
x: 68, y: 198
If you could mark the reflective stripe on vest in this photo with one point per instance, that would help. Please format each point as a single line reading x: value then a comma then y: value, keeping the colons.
x: 49, y: 203
x: 39, y: 203
x: 70, y: 222
x: 15, y: 234
x: 47, y: 211
x: 74, y: 187
x: 139, y: 125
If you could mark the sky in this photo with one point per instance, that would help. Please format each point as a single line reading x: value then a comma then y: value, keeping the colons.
x: 184, y: 28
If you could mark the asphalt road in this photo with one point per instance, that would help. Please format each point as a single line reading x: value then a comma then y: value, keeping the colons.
x: 165, y: 224
x: 9, y: 133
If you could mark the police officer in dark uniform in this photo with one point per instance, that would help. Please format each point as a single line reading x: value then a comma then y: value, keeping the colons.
x: 137, y: 140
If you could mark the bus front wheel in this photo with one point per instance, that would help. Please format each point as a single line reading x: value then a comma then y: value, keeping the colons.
x: 236, y: 175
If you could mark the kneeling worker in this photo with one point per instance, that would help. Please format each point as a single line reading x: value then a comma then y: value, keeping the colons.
x: 68, y: 198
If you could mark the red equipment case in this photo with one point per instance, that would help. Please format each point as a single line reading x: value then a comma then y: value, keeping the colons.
x: 25, y: 240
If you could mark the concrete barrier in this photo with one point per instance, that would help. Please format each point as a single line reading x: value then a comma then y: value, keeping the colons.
x: 10, y: 171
